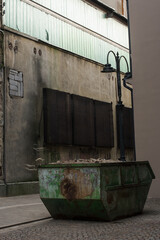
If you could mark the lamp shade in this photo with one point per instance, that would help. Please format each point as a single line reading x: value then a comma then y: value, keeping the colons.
x: 107, y: 68
x: 127, y: 75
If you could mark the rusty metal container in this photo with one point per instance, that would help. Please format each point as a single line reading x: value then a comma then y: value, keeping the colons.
x: 95, y: 191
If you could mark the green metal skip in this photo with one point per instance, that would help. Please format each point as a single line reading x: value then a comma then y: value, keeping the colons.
x: 95, y: 191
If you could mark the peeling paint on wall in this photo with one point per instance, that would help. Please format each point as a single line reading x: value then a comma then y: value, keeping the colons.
x: 16, y: 88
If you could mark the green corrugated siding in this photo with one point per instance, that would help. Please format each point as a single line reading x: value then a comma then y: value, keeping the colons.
x: 90, y: 17
x: 29, y: 20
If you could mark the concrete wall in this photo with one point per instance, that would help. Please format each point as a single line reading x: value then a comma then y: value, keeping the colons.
x: 1, y: 100
x: 1, y: 103
x: 54, y: 69
x: 145, y: 44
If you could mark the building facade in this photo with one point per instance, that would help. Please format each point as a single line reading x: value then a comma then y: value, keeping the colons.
x: 145, y: 47
x: 119, y: 6
x: 53, y: 46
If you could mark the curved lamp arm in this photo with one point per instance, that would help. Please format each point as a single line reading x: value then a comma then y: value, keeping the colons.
x: 125, y: 61
x: 109, y: 54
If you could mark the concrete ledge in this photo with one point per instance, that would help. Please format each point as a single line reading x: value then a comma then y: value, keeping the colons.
x: 2, y: 190
x: 20, y: 188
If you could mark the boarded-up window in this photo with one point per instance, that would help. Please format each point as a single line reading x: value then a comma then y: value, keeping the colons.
x: 57, y: 117
x: 75, y: 120
x: 128, y: 128
x: 83, y: 121
x: 104, y: 124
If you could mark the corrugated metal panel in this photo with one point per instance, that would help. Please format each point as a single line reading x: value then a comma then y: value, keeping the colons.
x: 90, y: 17
x: 30, y: 20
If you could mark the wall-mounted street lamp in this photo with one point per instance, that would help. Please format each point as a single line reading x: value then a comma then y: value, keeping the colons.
x: 107, y: 69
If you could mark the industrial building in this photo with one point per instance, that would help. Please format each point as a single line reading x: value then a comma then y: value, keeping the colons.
x: 55, y: 103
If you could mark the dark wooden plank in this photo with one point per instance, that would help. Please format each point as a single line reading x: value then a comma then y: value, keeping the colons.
x: 128, y: 129
x: 57, y: 117
x: 104, y: 124
x: 83, y: 121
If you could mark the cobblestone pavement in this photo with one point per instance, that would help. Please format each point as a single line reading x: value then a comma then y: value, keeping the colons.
x: 141, y: 227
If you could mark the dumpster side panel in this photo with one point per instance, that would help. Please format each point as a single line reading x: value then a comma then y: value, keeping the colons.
x: 69, y: 183
x: 110, y: 177
x: 126, y: 202
x: 129, y: 175
x: 76, y: 209
x: 125, y: 188
x: 145, y: 173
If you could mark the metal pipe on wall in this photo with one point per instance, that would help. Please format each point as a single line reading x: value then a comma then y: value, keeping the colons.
x: 122, y: 7
x: 131, y: 90
x: 129, y: 36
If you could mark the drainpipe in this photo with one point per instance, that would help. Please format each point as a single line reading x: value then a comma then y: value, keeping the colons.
x: 129, y: 36
x: 131, y: 90
x: 122, y: 7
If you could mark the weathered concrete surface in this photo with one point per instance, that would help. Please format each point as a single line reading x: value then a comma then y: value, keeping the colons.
x: 1, y: 104
x: 2, y: 189
x: 44, y: 66
x: 145, y: 34
x: 21, y: 209
x: 18, y: 188
x: 1, y: 97
x: 141, y: 227
x: 1, y: 129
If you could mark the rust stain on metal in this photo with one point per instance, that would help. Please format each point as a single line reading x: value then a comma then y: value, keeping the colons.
x: 68, y: 189
x: 76, y: 184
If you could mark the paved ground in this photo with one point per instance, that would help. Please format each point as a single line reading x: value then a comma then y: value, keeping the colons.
x: 141, y: 227
x: 21, y: 209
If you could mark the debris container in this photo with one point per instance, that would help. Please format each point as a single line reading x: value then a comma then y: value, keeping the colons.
x: 95, y: 191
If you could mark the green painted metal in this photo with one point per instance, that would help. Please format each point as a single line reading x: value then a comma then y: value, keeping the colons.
x: 89, y: 17
x: 32, y: 21
x: 101, y: 191
x: 50, y: 179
